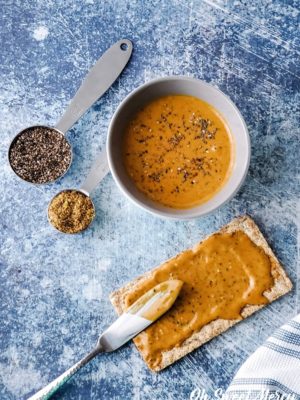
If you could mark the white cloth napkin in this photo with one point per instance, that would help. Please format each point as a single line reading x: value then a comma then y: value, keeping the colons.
x: 273, y: 371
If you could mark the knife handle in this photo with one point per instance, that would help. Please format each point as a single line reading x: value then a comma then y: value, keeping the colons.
x: 52, y: 387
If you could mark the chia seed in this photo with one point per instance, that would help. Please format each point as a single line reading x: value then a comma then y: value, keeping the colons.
x: 40, y: 154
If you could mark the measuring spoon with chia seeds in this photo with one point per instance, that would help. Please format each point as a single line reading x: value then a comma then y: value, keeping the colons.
x: 71, y: 220
x: 42, y: 154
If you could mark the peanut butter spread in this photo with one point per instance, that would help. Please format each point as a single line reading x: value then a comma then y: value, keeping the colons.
x: 221, y: 276
x: 178, y: 151
x: 157, y: 301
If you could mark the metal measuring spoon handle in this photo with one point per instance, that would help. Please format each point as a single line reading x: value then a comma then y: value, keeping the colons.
x: 98, y: 171
x: 98, y: 80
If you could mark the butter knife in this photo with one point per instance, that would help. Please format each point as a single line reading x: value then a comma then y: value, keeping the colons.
x: 142, y: 313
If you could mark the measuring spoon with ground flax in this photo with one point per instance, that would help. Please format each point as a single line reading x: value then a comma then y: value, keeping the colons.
x: 72, y: 210
x: 42, y: 154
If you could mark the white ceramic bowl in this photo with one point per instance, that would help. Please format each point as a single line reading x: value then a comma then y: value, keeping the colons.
x: 188, y: 86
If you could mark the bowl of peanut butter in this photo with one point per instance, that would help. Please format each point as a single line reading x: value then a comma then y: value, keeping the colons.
x: 178, y: 147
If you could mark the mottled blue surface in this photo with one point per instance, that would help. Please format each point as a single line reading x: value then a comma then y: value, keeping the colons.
x: 54, y: 288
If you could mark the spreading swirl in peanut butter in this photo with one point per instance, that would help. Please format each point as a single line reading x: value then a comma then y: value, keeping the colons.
x: 221, y: 276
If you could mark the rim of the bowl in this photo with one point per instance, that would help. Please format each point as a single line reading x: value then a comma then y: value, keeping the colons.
x: 189, y: 213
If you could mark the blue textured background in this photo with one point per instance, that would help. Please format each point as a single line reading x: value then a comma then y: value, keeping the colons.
x: 54, y: 288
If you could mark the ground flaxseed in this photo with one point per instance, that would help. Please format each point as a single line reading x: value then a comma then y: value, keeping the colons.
x: 40, y: 154
x: 71, y: 211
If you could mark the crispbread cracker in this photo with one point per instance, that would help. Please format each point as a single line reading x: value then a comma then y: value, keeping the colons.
x: 282, y: 285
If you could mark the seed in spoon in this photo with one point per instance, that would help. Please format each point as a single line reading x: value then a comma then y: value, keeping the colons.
x: 40, y: 154
x: 71, y: 211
